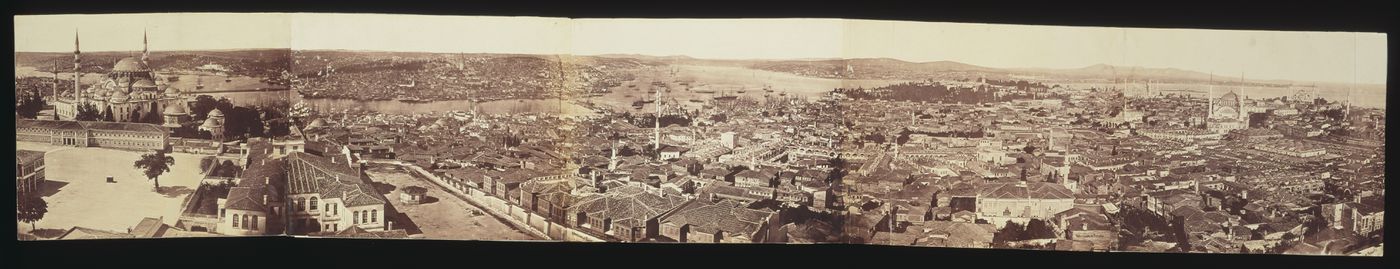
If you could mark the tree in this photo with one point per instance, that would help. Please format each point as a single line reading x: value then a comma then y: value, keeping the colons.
x: 30, y: 107
x: 199, y: 110
x: 87, y: 112
x: 107, y: 114
x: 1038, y: 229
x: 30, y: 208
x: 135, y: 116
x: 1011, y: 232
x: 155, y: 164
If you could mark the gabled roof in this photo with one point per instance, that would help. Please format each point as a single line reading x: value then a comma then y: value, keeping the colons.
x: 89, y: 233
x: 149, y: 228
x: 729, y: 216
x: 1026, y: 190
x: 313, y: 174
x: 630, y: 205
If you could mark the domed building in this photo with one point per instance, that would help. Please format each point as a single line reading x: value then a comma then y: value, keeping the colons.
x: 1227, y: 113
x: 129, y: 87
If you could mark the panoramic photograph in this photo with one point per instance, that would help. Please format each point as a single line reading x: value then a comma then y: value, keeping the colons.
x: 151, y: 125
x: 768, y: 131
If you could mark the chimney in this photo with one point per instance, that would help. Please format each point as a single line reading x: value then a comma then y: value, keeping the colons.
x: 388, y: 225
x: 264, y: 199
x: 267, y: 180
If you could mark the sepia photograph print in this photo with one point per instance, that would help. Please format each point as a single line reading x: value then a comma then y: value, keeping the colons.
x: 151, y: 125
x: 754, y: 131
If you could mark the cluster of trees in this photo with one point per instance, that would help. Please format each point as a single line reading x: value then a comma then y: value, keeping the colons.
x: 1013, y: 231
x: 1139, y: 224
x: 239, y: 121
x: 29, y: 106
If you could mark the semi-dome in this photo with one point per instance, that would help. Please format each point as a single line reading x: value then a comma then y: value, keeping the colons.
x: 130, y: 64
x: 143, y: 84
x: 175, y: 110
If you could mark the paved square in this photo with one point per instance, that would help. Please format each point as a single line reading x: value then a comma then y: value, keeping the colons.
x: 84, y: 198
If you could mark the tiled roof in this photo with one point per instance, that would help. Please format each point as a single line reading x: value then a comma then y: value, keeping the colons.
x: 1030, y: 190
x: 149, y: 228
x: 629, y: 205
x: 85, y: 125
x: 313, y: 174
x: 28, y: 156
x: 726, y: 215
x: 246, y: 198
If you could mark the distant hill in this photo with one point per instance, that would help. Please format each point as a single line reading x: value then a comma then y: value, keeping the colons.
x: 878, y: 68
x: 245, y: 62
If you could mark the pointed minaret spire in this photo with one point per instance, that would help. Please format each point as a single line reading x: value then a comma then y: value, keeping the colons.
x: 77, y: 68
x: 145, y: 47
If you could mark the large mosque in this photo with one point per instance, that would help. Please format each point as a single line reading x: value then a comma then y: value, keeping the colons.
x: 130, y: 86
x: 1226, y: 113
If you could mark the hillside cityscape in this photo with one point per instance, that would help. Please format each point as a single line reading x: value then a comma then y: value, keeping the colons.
x: 636, y: 148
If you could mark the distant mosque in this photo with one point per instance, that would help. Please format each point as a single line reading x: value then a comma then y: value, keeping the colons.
x: 130, y: 85
x: 1226, y: 113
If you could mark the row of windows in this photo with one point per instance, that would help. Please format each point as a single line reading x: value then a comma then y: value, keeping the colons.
x: 247, y: 223
x: 370, y: 216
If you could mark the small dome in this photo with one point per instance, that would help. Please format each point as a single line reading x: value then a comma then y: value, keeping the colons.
x: 175, y: 110
x: 172, y: 91
x: 130, y: 64
x: 211, y: 123
x: 216, y: 113
x: 119, y: 96
x: 317, y: 123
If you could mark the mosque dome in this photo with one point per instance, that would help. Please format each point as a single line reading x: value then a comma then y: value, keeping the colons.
x: 211, y: 123
x: 216, y: 113
x: 175, y: 110
x: 171, y: 91
x: 130, y: 64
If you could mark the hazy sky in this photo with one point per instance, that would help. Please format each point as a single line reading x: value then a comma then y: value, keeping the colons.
x: 174, y: 31
x: 1303, y: 56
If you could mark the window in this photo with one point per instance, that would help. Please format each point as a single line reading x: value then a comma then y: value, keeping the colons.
x: 364, y: 216
x: 255, y: 222
x: 374, y: 216
x: 223, y: 212
x: 235, y: 220
x: 356, y: 218
x: 313, y: 203
x: 245, y: 222
x: 334, y: 210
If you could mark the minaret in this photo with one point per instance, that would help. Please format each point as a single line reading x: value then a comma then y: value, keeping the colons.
x: 656, y: 132
x: 55, y: 82
x: 77, y: 69
x: 145, y: 48
x: 1210, y: 98
x: 612, y: 161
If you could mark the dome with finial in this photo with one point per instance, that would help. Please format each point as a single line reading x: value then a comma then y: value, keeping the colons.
x: 130, y: 64
x: 211, y: 123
